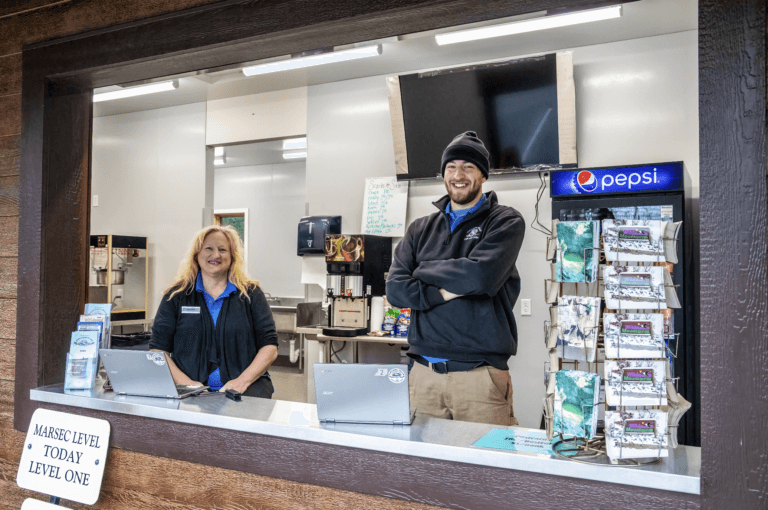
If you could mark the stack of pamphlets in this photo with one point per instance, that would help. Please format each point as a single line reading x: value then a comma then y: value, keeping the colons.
x: 635, y: 382
x: 640, y: 240
x: 578, y: 251
x: 634, y: 335
x: 639, y: 287
x: 578, y: 318
x: 575, y: 404
x: 636, y: 434
x: 83, y: 357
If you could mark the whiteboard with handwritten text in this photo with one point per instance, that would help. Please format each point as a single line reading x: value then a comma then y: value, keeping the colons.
x: 384, y: 207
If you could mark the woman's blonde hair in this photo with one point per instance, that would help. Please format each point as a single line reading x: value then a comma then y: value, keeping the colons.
x: 186, y: 277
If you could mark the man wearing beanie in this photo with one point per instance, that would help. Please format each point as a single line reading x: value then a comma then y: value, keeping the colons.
x: 455, y: 269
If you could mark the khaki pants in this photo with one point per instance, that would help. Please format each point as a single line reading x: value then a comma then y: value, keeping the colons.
x: 482, y: 395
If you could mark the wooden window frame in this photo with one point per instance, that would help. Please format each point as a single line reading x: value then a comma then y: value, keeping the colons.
x: 229, y: 213
x: 57, y: 82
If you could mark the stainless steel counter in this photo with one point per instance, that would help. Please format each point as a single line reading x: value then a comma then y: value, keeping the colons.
x: 427, y: 437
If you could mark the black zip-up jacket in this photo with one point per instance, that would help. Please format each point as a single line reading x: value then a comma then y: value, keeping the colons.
x: 183, y: 327
x: 476, y: 261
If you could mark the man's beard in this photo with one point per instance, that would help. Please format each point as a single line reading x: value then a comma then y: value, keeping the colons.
x: 465, y: 195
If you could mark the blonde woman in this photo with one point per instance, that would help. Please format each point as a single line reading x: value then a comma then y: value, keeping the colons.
x: 214, y: 321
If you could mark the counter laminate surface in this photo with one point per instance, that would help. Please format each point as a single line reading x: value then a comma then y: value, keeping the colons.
x: 427, y: 437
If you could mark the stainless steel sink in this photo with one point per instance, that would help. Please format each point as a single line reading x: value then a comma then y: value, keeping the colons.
x: 284, y: 312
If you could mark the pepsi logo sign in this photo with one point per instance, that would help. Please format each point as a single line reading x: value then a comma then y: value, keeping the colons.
x: 586, y: 181
x: 611, y: 180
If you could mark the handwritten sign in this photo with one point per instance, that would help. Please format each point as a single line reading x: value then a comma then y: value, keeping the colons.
x: 64, y: 456
x: 384, y: 207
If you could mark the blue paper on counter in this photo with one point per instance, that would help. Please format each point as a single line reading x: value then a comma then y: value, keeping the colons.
x: 529, y: 441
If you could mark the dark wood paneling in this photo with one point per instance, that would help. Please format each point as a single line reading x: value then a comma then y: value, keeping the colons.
x: 8, y: 277
x: 6, y: 403
x: 8, y: 321
x: 10, y: 115
x: 65, y: 238
x: 9, y: 155
x: 78, y: 16
x: 10, y: 74
x: 276, y: 26
x: 734, y: 269
x: 28, y: 352
x: 9, y: 195
x: 9, y: 236
x: 7, y: 356
x: 9, y: 7
x: 428, y: 481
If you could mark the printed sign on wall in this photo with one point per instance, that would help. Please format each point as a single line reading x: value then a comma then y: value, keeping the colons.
x: 384, y: 207
x: 64, y: 456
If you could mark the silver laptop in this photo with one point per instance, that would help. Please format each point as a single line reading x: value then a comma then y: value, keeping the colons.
x: 144, y: 374
x: 358, y: 393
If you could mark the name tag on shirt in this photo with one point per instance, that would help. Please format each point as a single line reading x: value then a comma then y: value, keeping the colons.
x: 190, y: 309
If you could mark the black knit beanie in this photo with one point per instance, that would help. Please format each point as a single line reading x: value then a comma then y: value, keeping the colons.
x: 467, y: 147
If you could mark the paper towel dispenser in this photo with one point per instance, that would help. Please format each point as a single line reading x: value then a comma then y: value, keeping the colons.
x: 312, y: 231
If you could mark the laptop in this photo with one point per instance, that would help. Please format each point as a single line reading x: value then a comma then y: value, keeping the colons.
x: 359, y: 393
x: 144, y: 374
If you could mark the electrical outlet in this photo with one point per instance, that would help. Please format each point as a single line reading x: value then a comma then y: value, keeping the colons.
x: 95, y: 201
x: 525, y: 307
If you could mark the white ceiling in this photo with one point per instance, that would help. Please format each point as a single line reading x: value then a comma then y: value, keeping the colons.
x: 407, y: 54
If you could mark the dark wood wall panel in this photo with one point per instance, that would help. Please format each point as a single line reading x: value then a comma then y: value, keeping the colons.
x: 8, y: 269
x: 410, y: 478
x: 10, y: 74
x: 9, y: 155
x: 9, y: 195
x: 10, y: 115
x: 65, y: 238
x: 734, y: 249
x: 6, y: 402
x: 74, y: 17
x: 7, y: 356
x: 8, y: 320
x: 9, y: 7
x: 9, y: 236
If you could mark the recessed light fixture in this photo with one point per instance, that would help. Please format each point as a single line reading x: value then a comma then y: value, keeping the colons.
x: 313, y: 60
x: 530, y: 25
x: 295, y: 143
x: 294, y: 155
x: 138, y: 90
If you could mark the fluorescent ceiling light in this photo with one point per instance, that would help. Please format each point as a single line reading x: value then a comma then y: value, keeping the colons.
x: 530, y: 25
x: 218, y: 152
x: 294, y: 155
x: 295, y: 143
x: 136, y: 91
x: 313, y: 60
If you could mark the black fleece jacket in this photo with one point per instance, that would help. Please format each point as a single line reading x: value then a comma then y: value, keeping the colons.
x: 184, y: 328
x: 476, y: 261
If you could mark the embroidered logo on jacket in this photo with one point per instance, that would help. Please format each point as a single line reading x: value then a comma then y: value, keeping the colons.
x: 473, y: 233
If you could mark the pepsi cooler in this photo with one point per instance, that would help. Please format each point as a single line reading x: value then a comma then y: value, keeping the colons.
x: 644, y: 192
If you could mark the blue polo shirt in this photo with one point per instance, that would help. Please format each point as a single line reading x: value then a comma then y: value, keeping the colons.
x: 214, y: 307
x: 457, y: 218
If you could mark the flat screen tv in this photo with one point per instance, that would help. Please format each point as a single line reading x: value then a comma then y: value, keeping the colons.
x: 523, y: 109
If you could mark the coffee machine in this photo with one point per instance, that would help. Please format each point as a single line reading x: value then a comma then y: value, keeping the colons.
x: 356, y: 266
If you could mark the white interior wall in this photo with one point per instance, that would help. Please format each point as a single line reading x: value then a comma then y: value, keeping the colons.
x: 274, y: 196
x: 636, y: 102
x: 149, y: 174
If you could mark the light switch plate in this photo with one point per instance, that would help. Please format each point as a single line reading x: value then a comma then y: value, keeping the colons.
x: 525, y: 307
x: 95, y: 201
